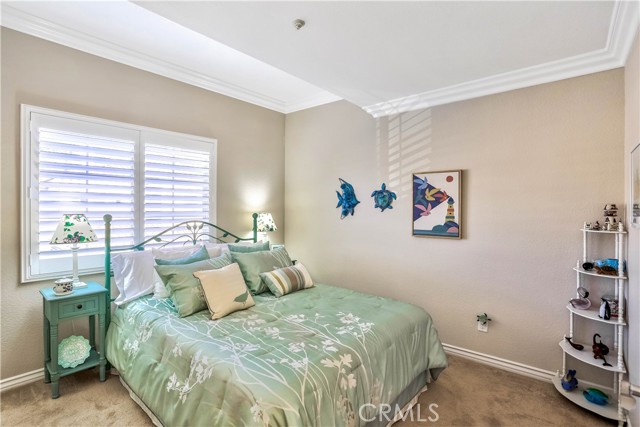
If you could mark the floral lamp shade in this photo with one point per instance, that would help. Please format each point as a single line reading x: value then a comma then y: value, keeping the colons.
x: 266, y: 223
x: 73, y: 228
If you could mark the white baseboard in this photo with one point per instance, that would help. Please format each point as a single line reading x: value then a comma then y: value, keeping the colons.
x: 485, y: 359
x: 504, y: 364
x: 22, y: 379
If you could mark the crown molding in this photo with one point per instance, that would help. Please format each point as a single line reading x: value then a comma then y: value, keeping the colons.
x: 26, y: 23
x: 622, y: 31
x: 625, y: 20
x: 313, y: 101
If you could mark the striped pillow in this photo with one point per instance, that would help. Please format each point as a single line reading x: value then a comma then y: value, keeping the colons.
x: 286, y: 280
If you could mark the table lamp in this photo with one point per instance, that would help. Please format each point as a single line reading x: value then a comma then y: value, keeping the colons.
x: 265, y: 224
x: 73, y: 229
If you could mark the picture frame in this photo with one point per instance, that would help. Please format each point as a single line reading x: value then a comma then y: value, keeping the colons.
x: 635, y: 187
x: 437, y: 204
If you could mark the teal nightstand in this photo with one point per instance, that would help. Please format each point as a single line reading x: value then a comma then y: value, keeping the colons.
x: 90, y: 301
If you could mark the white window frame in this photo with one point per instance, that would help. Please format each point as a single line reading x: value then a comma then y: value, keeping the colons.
x: 29, y: 191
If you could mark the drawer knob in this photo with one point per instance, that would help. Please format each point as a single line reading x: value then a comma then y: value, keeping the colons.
x: 79, y: 306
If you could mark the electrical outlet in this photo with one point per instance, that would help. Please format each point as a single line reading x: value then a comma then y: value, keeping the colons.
x: 483, y: 327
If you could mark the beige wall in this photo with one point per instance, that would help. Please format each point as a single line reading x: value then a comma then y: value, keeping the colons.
x: 537, y: 163
x: 250, y: 154
x: 632, y: 139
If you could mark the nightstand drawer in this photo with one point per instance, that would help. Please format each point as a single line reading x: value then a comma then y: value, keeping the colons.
x: 78, y: 307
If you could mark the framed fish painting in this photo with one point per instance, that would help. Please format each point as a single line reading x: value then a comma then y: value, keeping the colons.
x: 437, y: 204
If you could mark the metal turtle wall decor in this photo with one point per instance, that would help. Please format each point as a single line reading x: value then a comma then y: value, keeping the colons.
x: 347, y: 200
x: 383, y: 198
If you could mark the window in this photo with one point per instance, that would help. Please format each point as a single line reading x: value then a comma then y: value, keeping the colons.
x: 147, y: 179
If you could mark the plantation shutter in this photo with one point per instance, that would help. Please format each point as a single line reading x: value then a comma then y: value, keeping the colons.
x: 146, y: 179
x: 82, y: 168
x: 177, y: 183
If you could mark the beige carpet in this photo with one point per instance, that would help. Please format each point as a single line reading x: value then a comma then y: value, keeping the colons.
x: 466, y: 394
x: 471, y: 394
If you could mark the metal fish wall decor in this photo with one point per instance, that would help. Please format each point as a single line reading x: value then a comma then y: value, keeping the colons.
x: 347, y: 200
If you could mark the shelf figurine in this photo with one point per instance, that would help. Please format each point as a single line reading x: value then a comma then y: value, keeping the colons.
x: 600, y: 350
x: 610, y: 214
x: 610, y: 210
x: 582, y: 302
x: 610, y: 224
x: 605, y: 310
x: 578, y: 347
x: 570, y: 382
x: 596, y: 396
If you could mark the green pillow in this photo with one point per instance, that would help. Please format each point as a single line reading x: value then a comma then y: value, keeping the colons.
x: 200, y: 255
x: 185, y: 289
x: 264, y: 246
x: 254, y: 263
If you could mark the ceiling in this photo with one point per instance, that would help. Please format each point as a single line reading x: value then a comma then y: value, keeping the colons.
x: 384, y: 56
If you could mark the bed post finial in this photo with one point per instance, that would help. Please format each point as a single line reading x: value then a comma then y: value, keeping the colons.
x: 255, y: 227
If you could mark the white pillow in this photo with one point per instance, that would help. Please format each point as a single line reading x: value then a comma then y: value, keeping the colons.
x: 133, y: 273
x: 159, y: 289
x: 175, y: 252
x: 216, y: 249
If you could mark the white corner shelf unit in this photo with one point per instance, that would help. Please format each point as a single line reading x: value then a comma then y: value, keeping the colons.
x: 613, y: 410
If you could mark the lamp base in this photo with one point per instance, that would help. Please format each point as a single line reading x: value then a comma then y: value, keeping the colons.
x: 79, y: 285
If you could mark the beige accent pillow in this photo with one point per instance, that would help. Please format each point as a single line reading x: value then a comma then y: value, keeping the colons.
x: 225, y: 290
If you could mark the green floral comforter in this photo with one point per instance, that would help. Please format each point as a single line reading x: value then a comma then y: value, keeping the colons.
x: 310, y: 358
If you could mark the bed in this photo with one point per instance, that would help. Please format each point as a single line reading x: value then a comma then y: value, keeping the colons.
x: 322, y: 356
